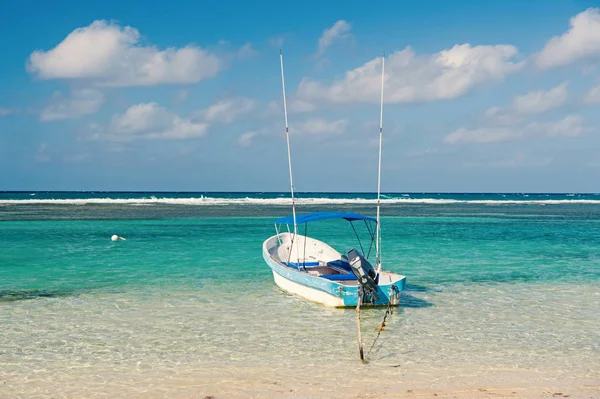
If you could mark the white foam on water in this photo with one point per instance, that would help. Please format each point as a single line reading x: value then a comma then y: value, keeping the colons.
x: 210, y: 201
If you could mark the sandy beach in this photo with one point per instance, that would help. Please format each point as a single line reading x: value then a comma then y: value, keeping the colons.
x: 243, y: 383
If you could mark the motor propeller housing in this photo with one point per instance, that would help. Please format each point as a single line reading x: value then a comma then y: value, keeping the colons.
x: 364, y: 272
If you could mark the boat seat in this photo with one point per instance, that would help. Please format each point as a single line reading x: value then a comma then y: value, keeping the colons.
x: 340, y: 265
x: 294, y: 265
x: 339, y: 277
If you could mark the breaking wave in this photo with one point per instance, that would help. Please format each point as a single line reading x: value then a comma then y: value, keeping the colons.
x: 215, y: 201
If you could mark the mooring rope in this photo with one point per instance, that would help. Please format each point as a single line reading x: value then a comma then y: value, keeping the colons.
x: 360, y: 343
x: 388, y: 312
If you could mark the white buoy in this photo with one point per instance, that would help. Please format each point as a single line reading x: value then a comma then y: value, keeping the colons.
x: 114, y: 237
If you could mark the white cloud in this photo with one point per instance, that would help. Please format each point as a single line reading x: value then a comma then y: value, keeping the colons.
x: 7, y: 111
x: 294, y: 106
x: 112, y: 56
x: 339, y: 30
x: 534, y: 102
x: 581, y: 41
x: 149, y: 122
x: 570, y: 126
x: 299, y: 106
x: 588, y: 69
x: 320, y: 126
x: 245, y: 140
x: 273, y: 108
x: 501, y: 116
x: 227, y: 111
x: 540, y: 101
x: 417, y: 78
x: 79, y: 103
x: 593, y: 96
x: 246, y: 51
x: 482, y: 135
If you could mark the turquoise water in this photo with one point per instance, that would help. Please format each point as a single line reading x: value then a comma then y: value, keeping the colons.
x: 186, y: 304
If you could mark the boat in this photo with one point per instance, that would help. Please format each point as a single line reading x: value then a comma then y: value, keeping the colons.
x: 314, y: 270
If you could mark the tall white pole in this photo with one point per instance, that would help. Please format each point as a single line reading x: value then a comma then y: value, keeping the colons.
x: 287, y: 137
x: 378, y: 234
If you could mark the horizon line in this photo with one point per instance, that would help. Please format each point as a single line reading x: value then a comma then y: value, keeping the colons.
x: 299, y: 192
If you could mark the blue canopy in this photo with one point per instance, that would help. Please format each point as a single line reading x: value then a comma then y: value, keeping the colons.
x: 311, y: 217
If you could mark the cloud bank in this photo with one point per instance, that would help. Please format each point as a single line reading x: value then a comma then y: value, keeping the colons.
x: 570, y: 126
x: 79, y: 103
x: 339, y: 31
x: 111, y: 55
x: 581, y: 41
x: 412, y: 78
x: 148, y: 121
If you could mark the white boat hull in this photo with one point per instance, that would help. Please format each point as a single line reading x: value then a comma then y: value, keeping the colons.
x: 322, y: 290
x: 307, y: 292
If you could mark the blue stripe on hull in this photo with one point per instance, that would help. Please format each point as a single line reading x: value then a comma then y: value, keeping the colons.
x: 348, y: 293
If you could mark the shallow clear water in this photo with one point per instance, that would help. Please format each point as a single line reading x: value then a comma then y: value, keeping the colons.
x: 497, y: 294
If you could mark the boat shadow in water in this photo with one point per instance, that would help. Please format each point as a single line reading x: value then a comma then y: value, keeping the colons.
x: 410, y: 301
x: 14, y: 296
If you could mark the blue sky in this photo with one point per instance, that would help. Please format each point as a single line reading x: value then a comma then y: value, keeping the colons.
x: 186, y: 96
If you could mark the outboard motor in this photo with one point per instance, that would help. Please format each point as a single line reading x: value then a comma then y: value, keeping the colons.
x: 364, y: 272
